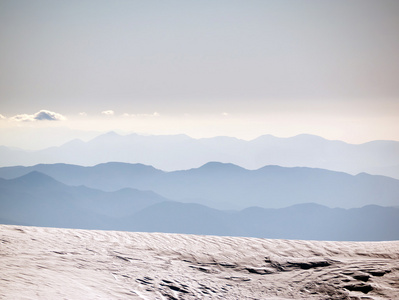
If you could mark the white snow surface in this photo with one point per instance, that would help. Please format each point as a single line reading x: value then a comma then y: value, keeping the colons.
x: 52, y: 263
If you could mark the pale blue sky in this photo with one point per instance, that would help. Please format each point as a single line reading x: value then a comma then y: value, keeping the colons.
x: 279, y: 67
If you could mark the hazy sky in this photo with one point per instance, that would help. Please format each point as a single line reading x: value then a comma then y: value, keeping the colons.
x: 238, y: 68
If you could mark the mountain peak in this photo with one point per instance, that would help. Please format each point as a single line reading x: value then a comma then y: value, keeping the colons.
x: 106, y: 136
x: 111, y: 133
x: 213, y: 166
x: 74, y: 142
x: 36, y: 178
x: 113, y: 165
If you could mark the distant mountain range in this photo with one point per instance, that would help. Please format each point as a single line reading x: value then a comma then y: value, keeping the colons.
x: 178, y: 152
x: 227, y: 186
x: 39, y: 200
x: 35, y: 191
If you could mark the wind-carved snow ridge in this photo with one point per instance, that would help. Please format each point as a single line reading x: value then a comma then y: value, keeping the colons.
x: 49, y: 263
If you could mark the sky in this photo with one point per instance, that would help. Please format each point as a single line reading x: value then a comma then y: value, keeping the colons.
x: 74, y: 69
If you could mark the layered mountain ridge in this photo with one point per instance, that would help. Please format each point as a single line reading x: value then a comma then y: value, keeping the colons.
x: 179, y: 152
x: 39, y: 200
x: 227, y: 186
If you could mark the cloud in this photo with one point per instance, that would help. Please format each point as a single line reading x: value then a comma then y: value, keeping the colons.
x: 155, y: 114
x: 23, y: 118
x: 225, y: 114
x: 43, y: 115
x: 83, y: 114
x: 49, y: 116
x: 108, y: 112
x: 2, y: 117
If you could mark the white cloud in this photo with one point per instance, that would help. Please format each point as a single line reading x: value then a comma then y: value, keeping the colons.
x: 108, y: 112
x: 23, y: 118
x: 43, y: 115
x: 2, y: 117
x: 83, y: 114
x: 155, y: 114
x: 48, y: 115
x: 225, y: 114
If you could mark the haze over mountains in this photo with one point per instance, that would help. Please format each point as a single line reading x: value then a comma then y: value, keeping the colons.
x: 172, y: 217
x: 207, y: 190
x: 179, y: 152
x: 39, y: 200
x: 227, y: 186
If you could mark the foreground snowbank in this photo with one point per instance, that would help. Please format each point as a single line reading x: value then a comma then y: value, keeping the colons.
x: 50, y: 263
